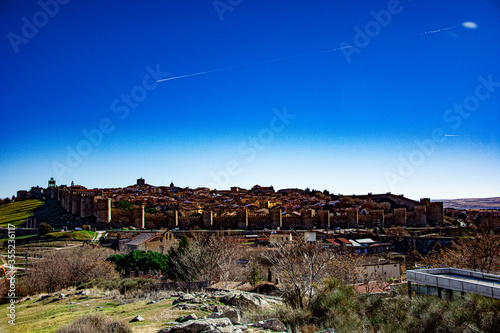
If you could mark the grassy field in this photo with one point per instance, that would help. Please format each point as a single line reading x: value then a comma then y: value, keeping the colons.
x: 49, y: 315
x: 80, y: 235
x: 20, y: 237
x: 16, y: 212
x: 59, y: 235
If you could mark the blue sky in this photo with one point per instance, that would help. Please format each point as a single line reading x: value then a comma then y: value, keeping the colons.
x: 370, y: 117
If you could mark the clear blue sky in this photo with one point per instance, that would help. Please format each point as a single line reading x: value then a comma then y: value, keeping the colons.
x: 352, y: 120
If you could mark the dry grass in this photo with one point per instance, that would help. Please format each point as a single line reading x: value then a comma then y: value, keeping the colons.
x: 51, y: 314
x: 95, y: 323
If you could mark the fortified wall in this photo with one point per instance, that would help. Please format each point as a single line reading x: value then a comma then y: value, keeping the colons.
x: 85, y: 203
x: 88, y: 203
x: 434, y: 212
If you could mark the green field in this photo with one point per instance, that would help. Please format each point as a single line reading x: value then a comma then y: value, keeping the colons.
x: 16, y: 212
x: 20, y: 237
x: 80, y: 235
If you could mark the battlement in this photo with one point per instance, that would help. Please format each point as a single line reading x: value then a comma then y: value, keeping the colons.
x: 86, y: 203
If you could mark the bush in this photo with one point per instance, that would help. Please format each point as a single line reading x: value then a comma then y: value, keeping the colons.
x: 253, y: 275
x: 44, y: 228
x: 61, y: 269
x: 336, y: 305
x: 95, y: 323
x: 139, y: 260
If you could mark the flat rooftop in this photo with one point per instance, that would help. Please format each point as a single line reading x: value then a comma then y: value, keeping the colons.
x: 457, y: 280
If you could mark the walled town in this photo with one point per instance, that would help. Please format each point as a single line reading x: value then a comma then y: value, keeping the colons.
x: 239, y: 255
x: 154, y: 207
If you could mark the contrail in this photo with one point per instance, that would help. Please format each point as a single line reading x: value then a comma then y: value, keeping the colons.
x: 438, y: 30
x: 279, y: 59
x: 451, y: 135
x: 253, y: 63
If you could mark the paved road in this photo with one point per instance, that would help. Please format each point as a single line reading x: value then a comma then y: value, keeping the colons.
x: 98, y: 235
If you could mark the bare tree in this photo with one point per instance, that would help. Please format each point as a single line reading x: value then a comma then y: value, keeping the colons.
x: 481, y: 253
x: 346, y: 267
x: 299, y: 266
x: 210, y: 257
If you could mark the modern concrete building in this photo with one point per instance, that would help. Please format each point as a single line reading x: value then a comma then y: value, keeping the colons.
x: 451, y: 282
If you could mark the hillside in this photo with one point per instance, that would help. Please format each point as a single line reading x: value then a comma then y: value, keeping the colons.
x: 159, y: 309
x: 472, y: 203
x: 16, y: 212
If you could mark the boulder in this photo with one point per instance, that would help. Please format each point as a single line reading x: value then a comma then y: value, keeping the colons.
x: 328, y: 330
x: 189, y: 298
x: 137, y: 318
x: 240, y: 328
x: 233, y: 315
x: 244, y: 300
x: 191, y: 316
x: 185, y: 306
x: 271, y: 324
x: 215, y: 315
x: 210, y: 307
x: 201, y: 325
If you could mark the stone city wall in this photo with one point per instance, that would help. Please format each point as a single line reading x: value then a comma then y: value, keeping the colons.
x: 84, y: 204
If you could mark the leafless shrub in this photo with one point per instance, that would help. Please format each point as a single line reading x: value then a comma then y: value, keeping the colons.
x: 210, y: 257
x: 301, y: 266
x: 481, y: 253
x: 59, y: 269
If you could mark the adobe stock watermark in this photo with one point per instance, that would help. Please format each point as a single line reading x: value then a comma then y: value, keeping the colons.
x: 94, y: 137
x: 10, y: 274
x: 223, y: 6
x: 249, y: 148
x: 454, y: 116
x: 372, y: 29
x: 30, y: 27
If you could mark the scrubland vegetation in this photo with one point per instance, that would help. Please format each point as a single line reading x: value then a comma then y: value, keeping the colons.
x: 315, y: 284
x: 336, y: 305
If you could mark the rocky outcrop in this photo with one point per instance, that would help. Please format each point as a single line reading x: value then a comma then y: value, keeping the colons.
x: 239, y: 299
x: 245, y: 300
x: 202, y: 325
x: 191, y: 316
x: 224, y: 318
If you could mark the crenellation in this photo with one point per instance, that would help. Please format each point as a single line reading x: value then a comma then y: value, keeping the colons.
x: 264, y: 210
